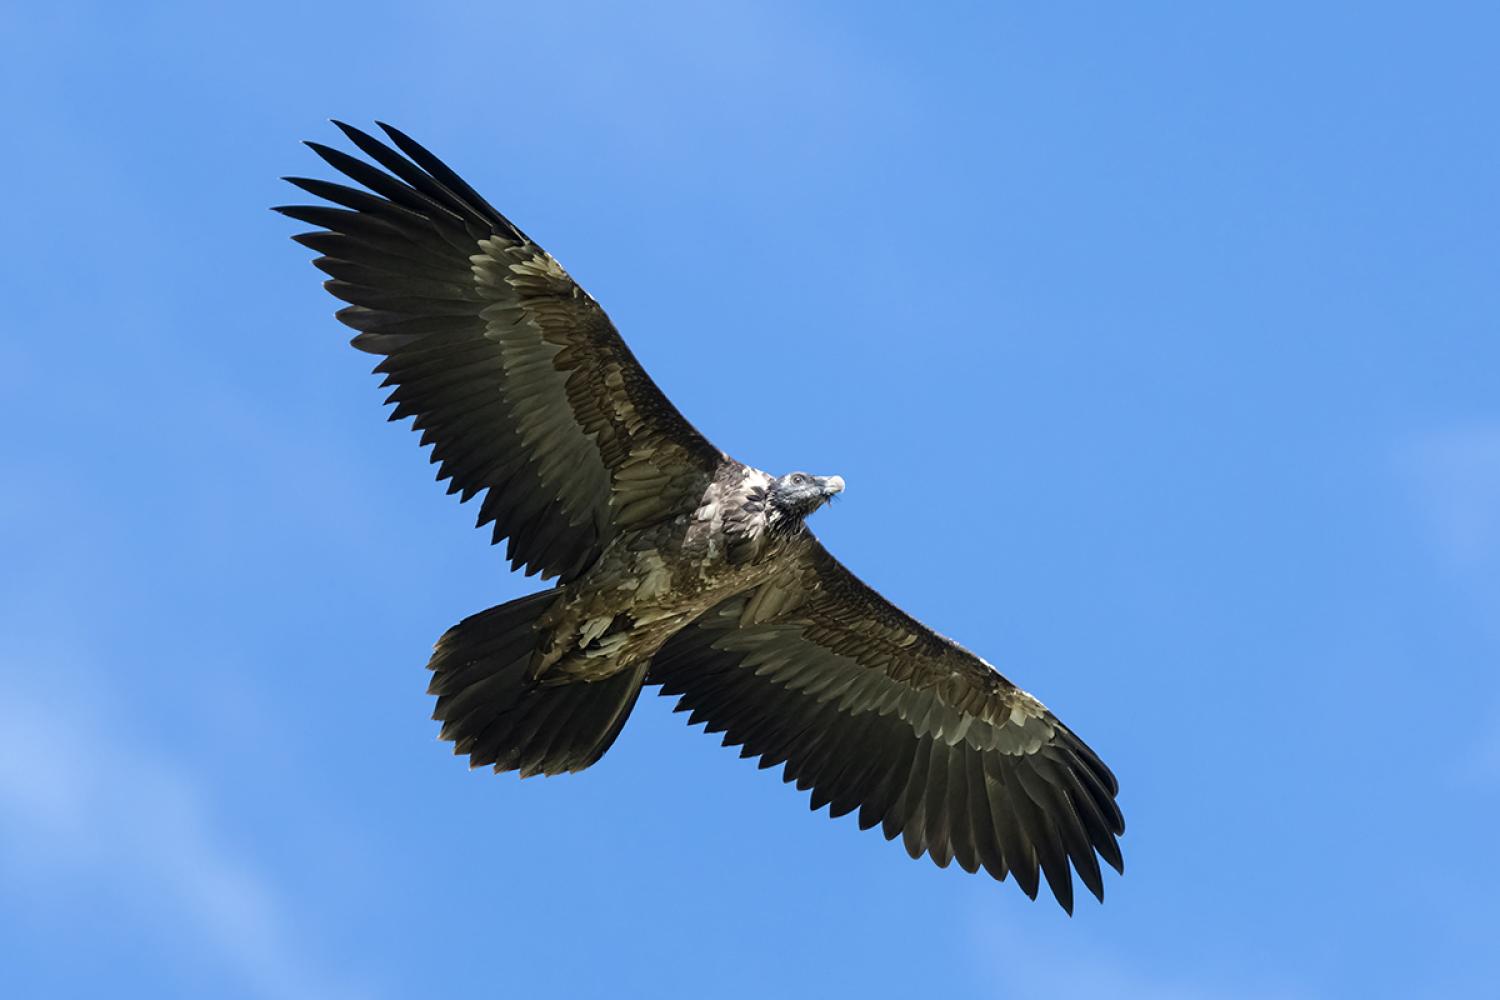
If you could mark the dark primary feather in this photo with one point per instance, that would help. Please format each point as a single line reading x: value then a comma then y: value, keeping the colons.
x: 870, y: 710
x: 514, y: 374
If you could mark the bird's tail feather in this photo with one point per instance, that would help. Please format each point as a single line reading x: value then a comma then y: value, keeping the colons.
x: 494, y: 712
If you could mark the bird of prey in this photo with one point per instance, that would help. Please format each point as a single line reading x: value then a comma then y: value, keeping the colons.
x: 676, y: 565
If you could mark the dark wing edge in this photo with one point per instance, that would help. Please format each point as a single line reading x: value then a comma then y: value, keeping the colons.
x: 513, y: 374
x: 872, y: 711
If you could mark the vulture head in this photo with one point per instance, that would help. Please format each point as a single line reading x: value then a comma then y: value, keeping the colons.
x: 797, y: 494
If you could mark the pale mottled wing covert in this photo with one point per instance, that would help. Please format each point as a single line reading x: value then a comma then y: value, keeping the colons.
x: 515, y: 375
x: 873, y: 711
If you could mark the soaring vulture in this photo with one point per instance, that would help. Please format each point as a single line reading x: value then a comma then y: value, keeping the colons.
x: 676, y: 565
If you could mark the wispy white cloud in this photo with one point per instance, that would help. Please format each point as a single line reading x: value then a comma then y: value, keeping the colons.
x: 1086, y: 970
x: 1481, y: 764
x: 79, y: 801
x: 1456, y: 474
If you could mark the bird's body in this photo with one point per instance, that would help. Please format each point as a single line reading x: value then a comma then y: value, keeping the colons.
x: 677, y: 566
x: 647, y: 585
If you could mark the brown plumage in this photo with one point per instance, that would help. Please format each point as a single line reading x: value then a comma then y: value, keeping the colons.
x: 677, y: 566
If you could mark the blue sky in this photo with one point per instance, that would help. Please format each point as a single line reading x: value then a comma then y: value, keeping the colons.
x: 1158, y: 347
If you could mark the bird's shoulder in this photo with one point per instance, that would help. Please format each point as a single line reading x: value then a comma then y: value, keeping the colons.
x: 733, y: 511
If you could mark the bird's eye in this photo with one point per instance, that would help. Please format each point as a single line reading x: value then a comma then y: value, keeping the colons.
x: 799, y: 479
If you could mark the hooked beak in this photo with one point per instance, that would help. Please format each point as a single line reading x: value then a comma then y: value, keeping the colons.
x: 832, y: 485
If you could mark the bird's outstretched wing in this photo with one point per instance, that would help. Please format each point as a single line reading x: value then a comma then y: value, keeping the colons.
x: 873, y: 711
x: 514, y: 374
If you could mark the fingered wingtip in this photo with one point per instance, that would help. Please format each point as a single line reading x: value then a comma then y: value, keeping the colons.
x: 353, y: 132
